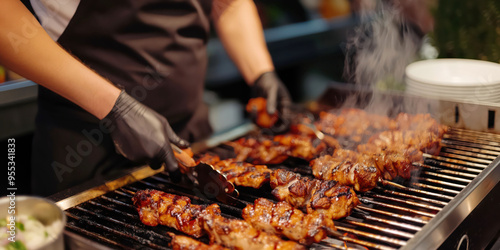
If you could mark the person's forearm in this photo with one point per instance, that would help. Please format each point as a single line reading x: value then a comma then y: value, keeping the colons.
x: 26, y: 49
x: 240, y: 30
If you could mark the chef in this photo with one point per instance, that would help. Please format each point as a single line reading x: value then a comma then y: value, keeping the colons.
x: 133, y: 82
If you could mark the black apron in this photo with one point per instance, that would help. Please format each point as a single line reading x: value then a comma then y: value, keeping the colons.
x: 156, y: 51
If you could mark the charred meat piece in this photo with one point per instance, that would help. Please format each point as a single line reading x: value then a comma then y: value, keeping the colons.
x: 334, y: 200
x: 259, y: 151
x: 399, y: 140
x: 354, y: 124
x: 208, y: 158
x: 302, y: 147
x: 239, y: 234
x: 243, y: 173
x: 283, y: 219
x: 395, y: 151
x: 180, y: 242
x: 348, y: 168
x: 278, y: 149
x: 239, y: 173
x: 395, y: 162
x: 420, y: 122
x: 157, y: 207
x: 257, y: 106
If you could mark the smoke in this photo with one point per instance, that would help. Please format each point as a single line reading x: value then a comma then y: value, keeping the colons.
x: 380, y: 48
x: 377, y: 53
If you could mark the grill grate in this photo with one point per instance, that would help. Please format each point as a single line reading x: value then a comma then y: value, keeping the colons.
x: 389, y: 216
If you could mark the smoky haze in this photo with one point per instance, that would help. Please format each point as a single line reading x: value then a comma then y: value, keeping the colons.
x: 377, y: 53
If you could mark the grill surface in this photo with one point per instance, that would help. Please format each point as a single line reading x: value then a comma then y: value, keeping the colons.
x: 390, y: 215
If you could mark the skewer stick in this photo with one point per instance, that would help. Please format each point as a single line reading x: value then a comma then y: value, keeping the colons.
x: 390, y: 183
x: 333, y: 233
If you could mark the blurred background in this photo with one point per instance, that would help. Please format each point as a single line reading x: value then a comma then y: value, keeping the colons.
x: 313, y: 43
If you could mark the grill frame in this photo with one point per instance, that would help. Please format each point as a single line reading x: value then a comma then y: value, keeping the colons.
x: 431, y: 235
x: 434, y: 233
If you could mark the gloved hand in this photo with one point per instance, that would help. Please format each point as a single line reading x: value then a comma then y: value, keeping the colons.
x: 142, y: 135
x: 269, y: 86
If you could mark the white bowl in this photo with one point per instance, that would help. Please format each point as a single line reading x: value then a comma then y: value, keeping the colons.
x: 454, y: 72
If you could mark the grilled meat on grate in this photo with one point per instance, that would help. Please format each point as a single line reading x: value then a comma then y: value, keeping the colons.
x: 239, y: 173
x: 239, y: 234
x: 328, y: 197
x: 278, y: 149
x: 348, y: 168
x: 283, y: 219
x: 157, y: 207
x: 354, y: 124
x: 180, y: 242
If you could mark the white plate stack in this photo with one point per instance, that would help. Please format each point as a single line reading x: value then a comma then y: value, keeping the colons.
x: 454, y: 79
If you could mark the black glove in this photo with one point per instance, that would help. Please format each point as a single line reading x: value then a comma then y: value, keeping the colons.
x: 269, y: 86
x: 142, y: 135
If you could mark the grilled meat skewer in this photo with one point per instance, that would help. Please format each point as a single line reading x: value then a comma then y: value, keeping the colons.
x: 283, y: 219
x: 278, y: 149
x: 157, y: 207
x: 239, y: 234
x: 348, y: 168
x: 240, y: 173
x: 353, y: 124
x: 328, y: 197
x: 180, y: 242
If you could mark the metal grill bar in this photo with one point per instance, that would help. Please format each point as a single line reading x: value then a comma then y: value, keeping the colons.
x: 442, y: 203
x: 389, y: 222
x: 403, y: 209
x: 470, y: 145
x: 424, y: 192
x: 453, y: 166
x: 466, y: 158
x: 366, y: 243
x: 446, y: 171
x: 382, y: 229
x: 95, y: 236
x: 460, y: 131
x: 373, y: 236
x: 472, y: 150
x: 422, y: 185
x: 407, y: 202
x: 442, y: 182
x: 439, y: 158
x: 469, y: 153
x: 473, y: 139
x: 135, y: 229
x: 447, y: 177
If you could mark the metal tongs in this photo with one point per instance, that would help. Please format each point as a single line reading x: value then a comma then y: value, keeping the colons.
x: 208, y: 181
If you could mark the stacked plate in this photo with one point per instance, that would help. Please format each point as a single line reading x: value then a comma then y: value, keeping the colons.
x: 454, y: 79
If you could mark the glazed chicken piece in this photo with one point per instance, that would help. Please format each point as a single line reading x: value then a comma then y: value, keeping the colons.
x: 237, y: 172
x: 397, y: 163
x: 239, y: 234
x: 277, y: 149
x: 398, y: 140
x: 258, y: 107
x: 327, y: 197
x: 283, y: 219
x: 302, y: 147
x: 180, y: 242
x: 348, y: 168
x: 420, y: 122
x: 157, y: 207
x: 259, y: 151
x: 354, y: 124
